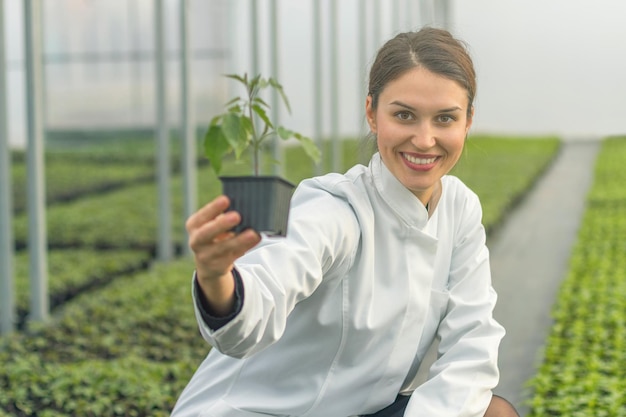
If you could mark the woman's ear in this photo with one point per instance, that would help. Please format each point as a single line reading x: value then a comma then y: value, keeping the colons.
x: 370, y: 113
x: 470, y: 120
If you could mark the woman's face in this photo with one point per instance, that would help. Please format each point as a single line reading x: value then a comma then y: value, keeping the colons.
x: 421, y: 123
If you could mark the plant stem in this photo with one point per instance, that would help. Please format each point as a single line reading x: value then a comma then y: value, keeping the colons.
x: 256, y: 161
x: 255, y: 145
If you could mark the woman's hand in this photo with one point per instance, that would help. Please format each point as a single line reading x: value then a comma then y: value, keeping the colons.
x: 215, y: 248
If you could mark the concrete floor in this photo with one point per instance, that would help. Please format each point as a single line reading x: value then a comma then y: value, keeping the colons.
x: 529, y: 258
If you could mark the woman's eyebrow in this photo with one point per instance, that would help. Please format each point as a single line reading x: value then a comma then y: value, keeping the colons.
x: 401, y: 104
x: 408, y: 107
x: 451, y: 109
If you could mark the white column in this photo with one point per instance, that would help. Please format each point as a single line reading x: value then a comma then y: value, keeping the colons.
x: 254, y: 39
x: 396, y: 17
x: 164, y: 244
x: 188, y: 125
x: 362, y: 27
x: 337, y: 156
x: 318, y: 118
x: 37, y: 236
x: 7, y: 295
x: 427, y: 11
x: 376, y: 25
x: 277, y: 149
x: 442, y: 14
x: 413, y: 21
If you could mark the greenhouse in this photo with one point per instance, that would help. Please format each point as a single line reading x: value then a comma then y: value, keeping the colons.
x: 107, y: 113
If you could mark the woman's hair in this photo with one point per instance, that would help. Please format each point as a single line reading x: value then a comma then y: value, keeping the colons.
x: 434, y: 49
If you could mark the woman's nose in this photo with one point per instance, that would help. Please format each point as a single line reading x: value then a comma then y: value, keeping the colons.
x: 423, y: 136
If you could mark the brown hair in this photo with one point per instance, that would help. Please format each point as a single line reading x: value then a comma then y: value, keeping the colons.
x: 434, y: 49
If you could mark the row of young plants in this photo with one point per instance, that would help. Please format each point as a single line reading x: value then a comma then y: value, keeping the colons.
x: 129, y: 347
x: 97, y: 171
x: 143, y: 314
x: 501, y: 171
x: 79, y: 165
x: 74, y: 178
x: 74, y: 271
x: 124, y: 350
x: 584, y: 367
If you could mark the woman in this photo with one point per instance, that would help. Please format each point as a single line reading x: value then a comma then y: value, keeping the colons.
x: 335, y: 319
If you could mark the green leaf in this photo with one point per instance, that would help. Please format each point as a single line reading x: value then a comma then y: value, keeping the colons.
x: 216, y: 146
x: 232, y: 101
x: 247, y: 125
x: 243, y: 80
x: 253, y: 86
x: 279, y: 88
x: 235, y: 132
x: 284, y: 133
x: 262, y: 82
x: 261, y: 113
x: 260, y: 101
x: 234, y: 109
x: 309, y: 147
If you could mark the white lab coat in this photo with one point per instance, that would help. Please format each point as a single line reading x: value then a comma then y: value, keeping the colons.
x: 338, y: 316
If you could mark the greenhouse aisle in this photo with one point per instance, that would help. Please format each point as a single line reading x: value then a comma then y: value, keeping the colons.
x: 529, y: 258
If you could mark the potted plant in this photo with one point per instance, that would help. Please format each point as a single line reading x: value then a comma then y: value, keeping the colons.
x: 263, y: 201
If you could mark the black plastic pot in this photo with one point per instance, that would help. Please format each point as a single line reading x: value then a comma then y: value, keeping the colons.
x: 262, y: 201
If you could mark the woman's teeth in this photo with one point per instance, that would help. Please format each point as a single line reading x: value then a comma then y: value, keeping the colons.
x: 419, y: 161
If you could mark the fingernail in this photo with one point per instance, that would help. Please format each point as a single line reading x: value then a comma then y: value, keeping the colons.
x: 252, y: 234
x: 231, y: 216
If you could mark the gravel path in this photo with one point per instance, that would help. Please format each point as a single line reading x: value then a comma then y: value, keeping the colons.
x: 529, y: 258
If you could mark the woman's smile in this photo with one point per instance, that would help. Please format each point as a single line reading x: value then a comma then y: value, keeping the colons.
x: 419, y: 162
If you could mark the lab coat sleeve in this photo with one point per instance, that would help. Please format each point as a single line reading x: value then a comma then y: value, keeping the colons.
x: 321, y: 242
x: 461, y: 379
x: 216, y: 322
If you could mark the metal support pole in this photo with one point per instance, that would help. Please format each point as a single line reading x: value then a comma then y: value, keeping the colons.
x: 442, y: 13
x: 135, y: 84
x: 376, y: 25
x: 254, y: 51
x: 317, y: 80
x: 7, y: 295
x: 254, y: 38
x: 364, y: 76
x: 164, y: 247
x: 37, y: 236
x: 427, y: 12
x: 396, y: 16
x: 334, y: 87
x: 188, y: 131
x: 277, y: 149
x: 413, y: 21
x: 362, y: 42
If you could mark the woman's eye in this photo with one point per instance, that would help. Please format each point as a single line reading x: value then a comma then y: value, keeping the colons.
x: 445, y: 119
x: 404, y: 115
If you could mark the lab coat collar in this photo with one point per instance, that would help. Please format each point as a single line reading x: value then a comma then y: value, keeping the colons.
x: 402, y: 201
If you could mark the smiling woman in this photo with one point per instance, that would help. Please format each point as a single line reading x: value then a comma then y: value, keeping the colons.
x: 420, y: 123
x: 336, y: 318
x: 420, y: 107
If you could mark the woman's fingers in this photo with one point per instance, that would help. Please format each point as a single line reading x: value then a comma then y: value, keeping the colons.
x: 211, y: 222
x: 213, y: 231
x: 208, y: 212
x: 215, y: 259
x: 212, y: 240
x: 231, y: 247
